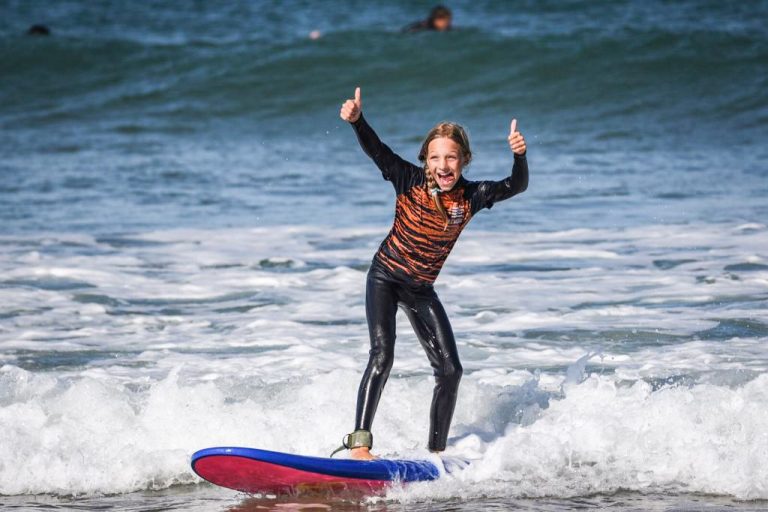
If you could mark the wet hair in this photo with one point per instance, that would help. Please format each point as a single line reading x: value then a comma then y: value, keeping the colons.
x: 457, y: 134
x: 439, y: 11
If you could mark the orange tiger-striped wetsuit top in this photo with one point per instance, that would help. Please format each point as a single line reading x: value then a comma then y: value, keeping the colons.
x: 420, y: 241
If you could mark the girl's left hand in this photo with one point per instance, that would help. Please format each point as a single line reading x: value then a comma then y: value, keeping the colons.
x: 516, y: 139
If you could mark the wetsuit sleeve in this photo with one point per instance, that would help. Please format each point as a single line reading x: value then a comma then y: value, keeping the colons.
x: 395, y: 169
x: 490, y: 192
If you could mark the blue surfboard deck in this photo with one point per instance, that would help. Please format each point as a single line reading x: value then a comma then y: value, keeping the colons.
x: 253, y: 470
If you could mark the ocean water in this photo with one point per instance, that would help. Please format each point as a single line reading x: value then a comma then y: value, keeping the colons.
x: 185, y: 227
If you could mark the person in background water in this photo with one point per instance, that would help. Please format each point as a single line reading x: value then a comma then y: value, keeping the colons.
x: 434, y: 204
x: 440, y: 19
x: 38, y: 30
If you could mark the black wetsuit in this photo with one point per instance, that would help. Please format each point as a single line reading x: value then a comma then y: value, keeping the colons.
x: 403, y: 272
x: 419, y: 26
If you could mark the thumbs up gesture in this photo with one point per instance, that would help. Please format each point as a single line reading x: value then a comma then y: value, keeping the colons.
x: 516, y: 140
x: 352, y: 108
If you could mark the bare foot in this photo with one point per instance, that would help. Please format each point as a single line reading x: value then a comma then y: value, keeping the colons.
x: 362, y: 453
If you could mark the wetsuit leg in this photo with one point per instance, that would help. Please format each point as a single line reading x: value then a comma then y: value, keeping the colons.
x: 433, y: 329
x: 380, y: 311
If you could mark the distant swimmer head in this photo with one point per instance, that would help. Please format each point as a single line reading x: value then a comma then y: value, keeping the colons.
x: 445, y: 152
x: 440, y: 18
x: 38, y: 30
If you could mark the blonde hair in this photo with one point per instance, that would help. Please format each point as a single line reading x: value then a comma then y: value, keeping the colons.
x: 457, y: 134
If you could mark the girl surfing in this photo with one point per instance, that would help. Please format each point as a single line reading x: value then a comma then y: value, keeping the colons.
x: 434, y: 204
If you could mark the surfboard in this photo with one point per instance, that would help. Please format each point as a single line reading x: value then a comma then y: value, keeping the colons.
x: 255, y: 471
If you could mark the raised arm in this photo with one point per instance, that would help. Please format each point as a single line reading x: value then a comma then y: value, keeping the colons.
x: 392, y: 166
x: 490, y: 192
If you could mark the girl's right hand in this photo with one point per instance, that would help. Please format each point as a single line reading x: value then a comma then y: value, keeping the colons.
x: 352, y: 108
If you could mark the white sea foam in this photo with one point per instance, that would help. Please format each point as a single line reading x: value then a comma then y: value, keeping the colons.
x: 124, y: 356
x: 603, y: 437
x: 94, y: 433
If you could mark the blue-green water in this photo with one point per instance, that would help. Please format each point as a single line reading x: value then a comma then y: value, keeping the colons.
x: 150, y: 116
x: 185, y: 225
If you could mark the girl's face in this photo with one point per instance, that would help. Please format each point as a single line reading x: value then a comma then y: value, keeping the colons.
x: 445, y: 161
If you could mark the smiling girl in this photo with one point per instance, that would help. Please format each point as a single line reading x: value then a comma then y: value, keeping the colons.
x: 434, y: 203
